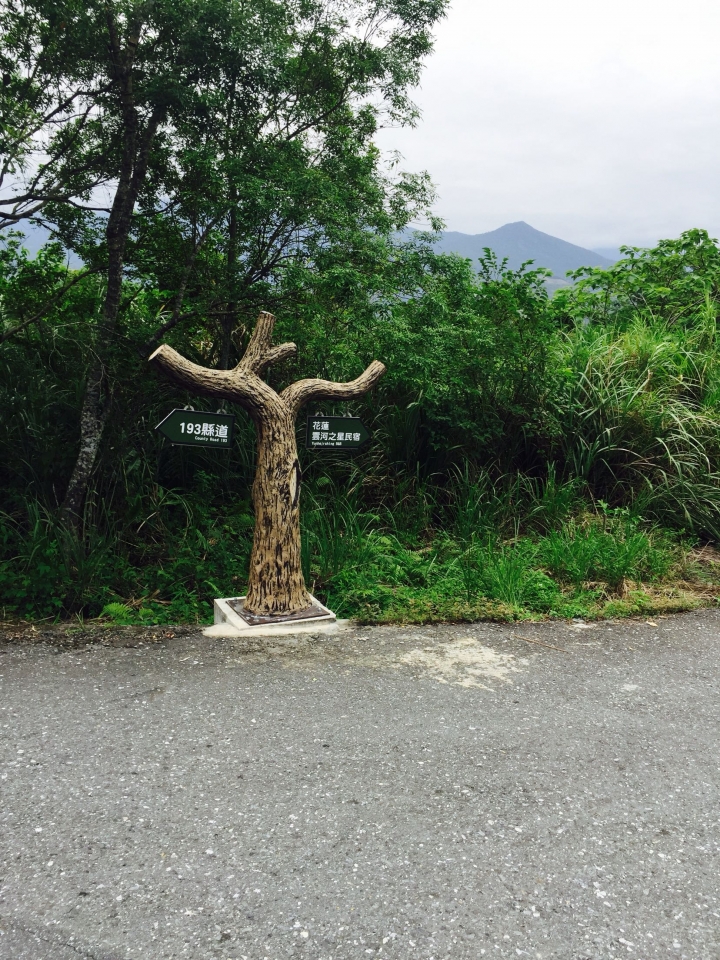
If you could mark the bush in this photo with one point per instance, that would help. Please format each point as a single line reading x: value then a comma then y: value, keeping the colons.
x: 527, y: 453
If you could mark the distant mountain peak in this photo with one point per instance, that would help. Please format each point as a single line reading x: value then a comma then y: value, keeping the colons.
x: 520, y: 242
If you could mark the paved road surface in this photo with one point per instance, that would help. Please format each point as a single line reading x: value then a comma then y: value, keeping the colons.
x: 417, y: 793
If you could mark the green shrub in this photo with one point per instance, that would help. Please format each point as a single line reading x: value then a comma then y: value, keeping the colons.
x: 529, y: 456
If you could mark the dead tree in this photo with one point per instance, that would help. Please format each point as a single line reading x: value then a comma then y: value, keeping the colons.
x: 275, y: 584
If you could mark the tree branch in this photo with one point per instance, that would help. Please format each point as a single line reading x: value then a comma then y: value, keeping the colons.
x: 238, y: 386
x: 170, y: 324
x: 243, y: 385
x: 276, y: 354
x: 302, y: 392
x: 44, y: 309
x: 260, y: 344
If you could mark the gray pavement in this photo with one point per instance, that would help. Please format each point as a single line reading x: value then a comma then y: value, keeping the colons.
x: 433, y: 792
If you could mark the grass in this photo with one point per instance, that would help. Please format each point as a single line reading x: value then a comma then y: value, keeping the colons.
x: 601, y: 564
x: 640, y: 418
x: 512, y: 549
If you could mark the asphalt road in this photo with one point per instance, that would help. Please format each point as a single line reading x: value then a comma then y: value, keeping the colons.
x: 437, y: 792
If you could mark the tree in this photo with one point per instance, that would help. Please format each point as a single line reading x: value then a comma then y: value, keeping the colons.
x: 157, y: 104
x: 275, y: 584
x: 677, y: 280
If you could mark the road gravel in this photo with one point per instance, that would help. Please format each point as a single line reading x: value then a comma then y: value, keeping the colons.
x: 422, y: 793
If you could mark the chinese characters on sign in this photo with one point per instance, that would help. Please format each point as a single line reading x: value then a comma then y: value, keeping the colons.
x: 335, y: 432
x: 204, y: 429
x: 196, y: 428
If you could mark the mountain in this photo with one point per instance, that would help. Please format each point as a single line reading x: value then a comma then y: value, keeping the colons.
x: 520, y: 242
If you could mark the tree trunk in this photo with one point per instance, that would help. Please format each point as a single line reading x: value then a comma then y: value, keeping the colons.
x: 226, y: 331
x: 96, y: 402
x: 92, y: 424
x: 228, y: 321
x: 134, y: 159
x: 276, y: 583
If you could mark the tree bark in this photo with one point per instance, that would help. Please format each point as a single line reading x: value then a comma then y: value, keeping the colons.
x: 228, y: 322
x: 134, y: 160
x: 276, y: 584
x: 92, y: 424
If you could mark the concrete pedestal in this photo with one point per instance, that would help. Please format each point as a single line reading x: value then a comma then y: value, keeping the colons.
x: 228, y: 623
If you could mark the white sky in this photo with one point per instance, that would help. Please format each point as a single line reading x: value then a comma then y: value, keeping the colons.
x: 595, y: 122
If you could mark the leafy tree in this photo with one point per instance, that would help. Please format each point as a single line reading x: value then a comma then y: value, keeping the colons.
x: 675, y: 281
x: 471, y: 352
x: 207, y: 123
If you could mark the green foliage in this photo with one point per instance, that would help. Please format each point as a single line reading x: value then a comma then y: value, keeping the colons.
x: 471, y: 355
x: 524, y: 462
x: 678, y: 282
x: 639, y: 399
x: 575, y: 570
x: 119, y: 613
x: 608, y: 553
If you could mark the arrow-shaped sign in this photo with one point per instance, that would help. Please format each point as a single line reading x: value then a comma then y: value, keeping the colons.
x: 335, y: 433
x: 196, y: 428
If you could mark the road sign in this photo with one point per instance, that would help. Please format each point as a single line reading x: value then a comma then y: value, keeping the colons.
x: 198, y: 428
x: 335, y: 433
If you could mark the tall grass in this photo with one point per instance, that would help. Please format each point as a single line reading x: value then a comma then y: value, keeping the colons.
x: 484, y: 502
x: 49, y: 569
x: 605, y: 552
x: 338, y: 534
x: 641, y: 415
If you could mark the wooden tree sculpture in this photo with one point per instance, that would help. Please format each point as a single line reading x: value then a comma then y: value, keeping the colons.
x: 275, y: 584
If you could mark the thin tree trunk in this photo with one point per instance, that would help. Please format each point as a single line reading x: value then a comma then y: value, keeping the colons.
x: 226, y: 332
x: 95, y: 407
x: 92, y: 424
x: 96, y: 401
x: 229, y: 321
x: 133, y: 170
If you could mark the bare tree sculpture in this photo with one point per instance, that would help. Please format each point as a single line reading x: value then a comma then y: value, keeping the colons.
x: 275, y: 584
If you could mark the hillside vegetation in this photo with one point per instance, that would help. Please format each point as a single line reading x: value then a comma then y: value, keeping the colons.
x: 530, y: 456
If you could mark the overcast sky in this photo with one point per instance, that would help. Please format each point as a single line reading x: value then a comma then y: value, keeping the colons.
x: 595, y: 122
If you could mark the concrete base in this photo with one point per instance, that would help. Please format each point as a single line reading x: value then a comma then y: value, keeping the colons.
x: 228, y: 623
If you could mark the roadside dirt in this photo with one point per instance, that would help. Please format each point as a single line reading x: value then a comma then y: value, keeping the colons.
x: 76, y: 636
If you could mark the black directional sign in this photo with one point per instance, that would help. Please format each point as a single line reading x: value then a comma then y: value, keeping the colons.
x: 335, y: 433
x: 196, y: 428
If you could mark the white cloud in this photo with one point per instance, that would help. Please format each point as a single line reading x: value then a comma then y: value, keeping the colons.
x: 598, y: 123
